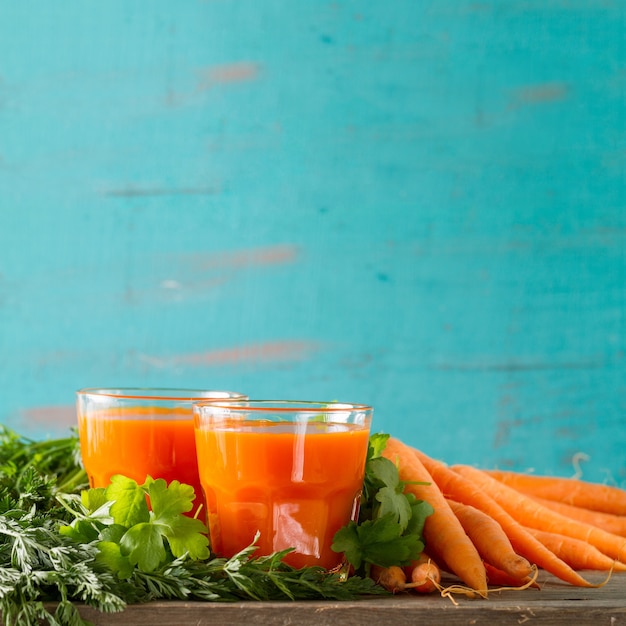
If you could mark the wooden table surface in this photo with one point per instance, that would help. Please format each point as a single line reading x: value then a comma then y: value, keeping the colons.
x: 554, y: 603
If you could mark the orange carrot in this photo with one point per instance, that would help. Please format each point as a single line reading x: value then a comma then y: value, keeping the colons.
x: 457, y: 487
x: 392, y: 578
x: 577, y: 553
x: 615, y: 524
x: 490, y: 540
x: 588, y: 495
x: 499, y: 578
x: 425, y: 576
x: 422, y: 558
x: 530, y: 513
x: 442, y: 532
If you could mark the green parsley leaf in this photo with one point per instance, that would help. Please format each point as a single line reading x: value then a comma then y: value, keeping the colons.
x: 93, y: 499
x: 110, y: 555
x: 113, y: 533
x: 143, y: 543
x: 80, y: 530
x: 377, y: 443
x: 420, y: 510
x: 394, y: 502
x: 377, y: 542
x: 381, y: 471
x: 347, y: 540
x: 129, y: 501
x: 187, y: 535
x: 169, y: 500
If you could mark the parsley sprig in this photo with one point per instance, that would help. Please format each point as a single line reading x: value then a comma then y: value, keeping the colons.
x: 390, y: 524
x: 130, y: 534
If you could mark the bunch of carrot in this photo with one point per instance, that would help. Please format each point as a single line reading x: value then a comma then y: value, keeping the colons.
x: 496, y: 528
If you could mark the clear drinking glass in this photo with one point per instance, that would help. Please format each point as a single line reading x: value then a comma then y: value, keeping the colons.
x: 290, y: 471
x: 141, y: 432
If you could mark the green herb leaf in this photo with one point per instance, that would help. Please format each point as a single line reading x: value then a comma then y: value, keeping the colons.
x: 129, y: 501
x: 420, y: 511
x: 143, y: 543
x: 378, y: 542
x: 113, y: 533
x: 168, y: 501
x: 110, y: 555
x: 381, y: 471
x: 187, y: 535
x: 377, y: 443
x: 81, y: 531
x: 348, y: 541
x: 393, y: 502
x: 93, y: 499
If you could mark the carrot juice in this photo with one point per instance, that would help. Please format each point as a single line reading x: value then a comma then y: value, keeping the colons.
x: 296, y: 484
x: 138, y: 446
x: 140, y: 433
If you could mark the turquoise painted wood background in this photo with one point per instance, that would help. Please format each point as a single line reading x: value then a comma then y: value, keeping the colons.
x: 414, y: 204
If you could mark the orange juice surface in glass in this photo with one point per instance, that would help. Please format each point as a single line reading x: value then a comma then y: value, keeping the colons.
x: 138, y: 443
x: 296, y: 488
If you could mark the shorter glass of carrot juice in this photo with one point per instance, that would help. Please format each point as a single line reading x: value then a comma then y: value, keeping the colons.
x: 290, y: 471
x: 141, y: 432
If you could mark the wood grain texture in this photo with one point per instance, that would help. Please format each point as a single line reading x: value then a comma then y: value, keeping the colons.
x: 553, y: 605
x: 421, y: 207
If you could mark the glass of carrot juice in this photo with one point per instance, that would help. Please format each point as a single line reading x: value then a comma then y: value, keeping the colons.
x: 141, y: 432
x: 290, y: 471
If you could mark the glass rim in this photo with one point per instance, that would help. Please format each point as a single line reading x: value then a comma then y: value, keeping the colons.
x: 284, y: 406
x: 162, y: 393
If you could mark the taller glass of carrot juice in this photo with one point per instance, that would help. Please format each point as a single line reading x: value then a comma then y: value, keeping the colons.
x: 290, y: 471
x: 141, y: 432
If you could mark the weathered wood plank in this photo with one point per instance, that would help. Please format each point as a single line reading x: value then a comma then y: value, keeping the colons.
x: 555, y: 604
